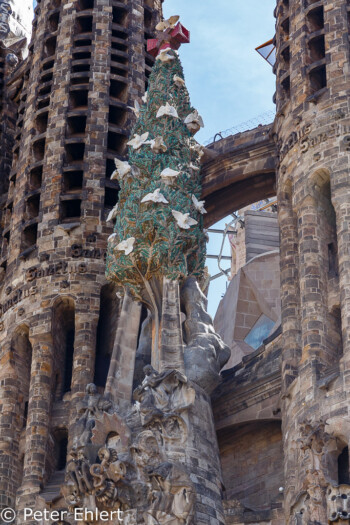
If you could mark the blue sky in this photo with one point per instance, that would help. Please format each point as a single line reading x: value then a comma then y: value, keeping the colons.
x: 228, y: 81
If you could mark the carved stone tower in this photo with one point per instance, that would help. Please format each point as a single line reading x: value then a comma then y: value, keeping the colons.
x: 86, y: 63
x: 312, y: 130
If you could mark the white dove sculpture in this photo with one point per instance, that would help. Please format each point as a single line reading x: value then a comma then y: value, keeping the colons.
x: 198, y: 148
x: 164, y: 56
x: 135, y: 109
x: 169, y: 23
x: 145, y: 97
x: 156, y: 196
x: 194, y: 122
x: 123, y: 168
x: 112, y: 237
x: 127, y: 246
x: 158, y: 145
x: 138, y: 140
x: 113, y: 213
x: 167, y: 110
x: 183, y: 220
x: 199, y: 205
x: 179, y: 82
x: 169, y: 174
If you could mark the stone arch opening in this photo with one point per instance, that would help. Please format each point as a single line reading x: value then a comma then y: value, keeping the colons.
x: 63, y: 330
x: 106, y: 329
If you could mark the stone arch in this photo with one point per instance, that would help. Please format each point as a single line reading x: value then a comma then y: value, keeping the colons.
x: 241, y: 170
x: 63, y: 331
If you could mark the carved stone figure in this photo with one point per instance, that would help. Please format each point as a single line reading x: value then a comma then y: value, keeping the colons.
x: 173, y: 496
x: 205, y: 351
x: 89, y: 409
x: 312, y: 444
x: 162, y: 393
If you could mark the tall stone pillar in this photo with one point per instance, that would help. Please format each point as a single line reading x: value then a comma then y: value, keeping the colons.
x: 290, y: 287
x: 8, y: 427
x: 38, y: 423
x: 341, y: 201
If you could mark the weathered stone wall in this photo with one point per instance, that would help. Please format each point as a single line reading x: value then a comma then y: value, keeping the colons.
x: 252, y: 464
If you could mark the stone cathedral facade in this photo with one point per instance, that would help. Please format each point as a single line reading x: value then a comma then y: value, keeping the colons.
x: 87, y: 418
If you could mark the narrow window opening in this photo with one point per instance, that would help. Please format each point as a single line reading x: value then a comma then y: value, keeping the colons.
x: 343, y: 467
x: 32, y: 207
x: 76, y: 126
x: 72, y: 181
x: 111, y: 197
x: 85, y: 4
x: 50, y: 47
x: 119, y: 15
x: 107, y: 323
x: 318, y: 78
x: 75, y: 152
x: 118, y: 90
x: 83, y: 24
x: 70, y: 209
x: 62, y: 453
x: 63, y: 326
x: 332, y: 260
x: 315, y: 19
x: 317, y: 48
x: 39, y: 149
x: 35, y: 178
x: 68, y: 367
x: 53, y: 22
x: 286, y: 86
x: 116, y: 142
x: 29, y: 237
x: 78, y: 98
x: 117, y: 115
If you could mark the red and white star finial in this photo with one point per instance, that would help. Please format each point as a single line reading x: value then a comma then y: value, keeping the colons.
x: 170, y: 33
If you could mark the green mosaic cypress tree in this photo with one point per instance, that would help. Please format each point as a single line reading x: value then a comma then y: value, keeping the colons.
x: 159, y: 219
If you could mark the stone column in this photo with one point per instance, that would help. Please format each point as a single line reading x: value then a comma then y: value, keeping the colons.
x: 84, y: 353
x: 8, y: 427
x: 38, y: 422
x: 290, y: 298
x: 121, y: 372
x: 171, y: 344
x: 341, y: 203
x: 313, y: 289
